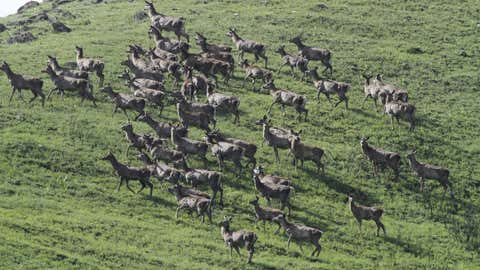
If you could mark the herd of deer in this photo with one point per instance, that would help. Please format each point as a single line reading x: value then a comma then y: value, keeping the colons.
x: 172, y: 57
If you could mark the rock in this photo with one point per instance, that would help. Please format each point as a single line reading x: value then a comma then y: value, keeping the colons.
x: 42, y: 16
x: 60, y: 2
x: 21, y: 37
x: 2, y: 27
x: 28, y: 5
x: 60, y: 27
x: 415, y: 50
x: 140, y: 16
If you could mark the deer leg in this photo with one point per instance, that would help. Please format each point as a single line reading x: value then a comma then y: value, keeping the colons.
x: 266, y: 60
x: 360, y: 226
x: 278, y: 71
x: 150, y: 185
x: 278, y: 229
x: 50, y: 93
x: 142, y: 187
x: 282, y: 107
x: 422, y: 183
x: 301, y: 247
x: 128, y: 148
x: 125, y: 112
x: 176, y: 212
x: 275, y: 150
x: 318, y: 96
x: 11, y: 96
x: 128, y: 186
x: 289, y: 240
x: 292, y: 72
x: 33, y: 98
x: 391, y: 121
x: 364, y: 100
x: 270, y: 107
x: 120, y: 182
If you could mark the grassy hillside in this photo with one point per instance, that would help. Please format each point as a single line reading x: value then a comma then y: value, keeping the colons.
x: 58, y: 208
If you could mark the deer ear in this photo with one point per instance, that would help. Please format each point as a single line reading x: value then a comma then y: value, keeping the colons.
x: 366, y: 139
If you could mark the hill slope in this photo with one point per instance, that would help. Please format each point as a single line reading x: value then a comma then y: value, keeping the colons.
x: 58, y: 207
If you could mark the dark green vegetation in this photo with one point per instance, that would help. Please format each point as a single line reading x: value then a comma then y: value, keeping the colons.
x: 58, y: 208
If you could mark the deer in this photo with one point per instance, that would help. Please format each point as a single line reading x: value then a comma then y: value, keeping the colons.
x: 160, y: 170
x: 275, y: 137
x: 329, y: 87
x: 314, y: 54
x: 293, y: 61
x: 202, y: 205
x: 166, y: 23
x: 223, y: 102
x: 237, y: 239
x: 302, y: 152
x: 20, y: 82
x: 254, y: 73
x: 301, y: 233
x: 136, y: 83
x: 371, y: 90
x: 127, y: 173
x: 400, y: 109
x: 270, y: 179
x: 226, y: 151
x: 247, y: 46
x: 63, y: 84
x: 269, y: 191
x: 361, y: 212
x: 139, y: 141
x: 164, y: 65
x: 386, y: 88
x: 195, y: 107
x: 209, y: 67
x: 194, y: 84
x: 197, y: 119
x: 201, y: 41
x: 90, y: 65
x: 144, y: 71
x: 188, y: 146
x: 160, y: 152
x: 380, y: 157
x: 428, y: 171
x: 61, y: 71
x: 162, y: 129
x: 213, y: 179
x: 249, y: 149
x: 124, y: 102
x: 165, y: 44
x: 284, y: 98
x: 265, y: 214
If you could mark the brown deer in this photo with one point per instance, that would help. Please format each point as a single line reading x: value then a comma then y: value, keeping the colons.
x: 361, y: 212
x: 90, y: 65
x: 314, y: 54
x: 19, y: 82
x: 247, y: 46
x: 237, y: 239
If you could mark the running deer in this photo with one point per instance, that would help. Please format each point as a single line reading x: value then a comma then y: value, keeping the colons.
x: 194, y: 107
x: 188, y: 146
x: 302, y: 152
x: 301, y: 233
x: 139, y: 82
x: 238, y: 239
x: 61, y: 71
x: 127, y: 173
x: 330, y: 87
x: 272, y: 191
x: 380, y: 157
x: 399, y: 109
x: 197, y: 119
x: 162, y: 129
x: 198, y: 177
x: 293, y: 61
x: 223, y: 102
x: 270, y: 179
x: 275, y: 137
x: 166, y: 23
x: 90, y: 65
x: 265, y: 214
x: 249, y: 149
x: 361, y: 212
x: 201, y: 205
x: 194, y: 84
x: 165, y: 44
x: 254, y: 73
x: 19, y: 82
x: 247, y: 46
x: 286, y: 98
x: 124, y: 102
x: 314, y: 54
x: 201, y: 41
x: 139, y: 141
x: 226, y: 151
x: 428, y: 171
x: 62, y: 84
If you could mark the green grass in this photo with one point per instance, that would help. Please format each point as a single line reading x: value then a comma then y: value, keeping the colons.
x: 58, y: 207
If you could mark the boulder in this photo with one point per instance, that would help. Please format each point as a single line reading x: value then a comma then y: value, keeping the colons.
x: 28, y: 5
